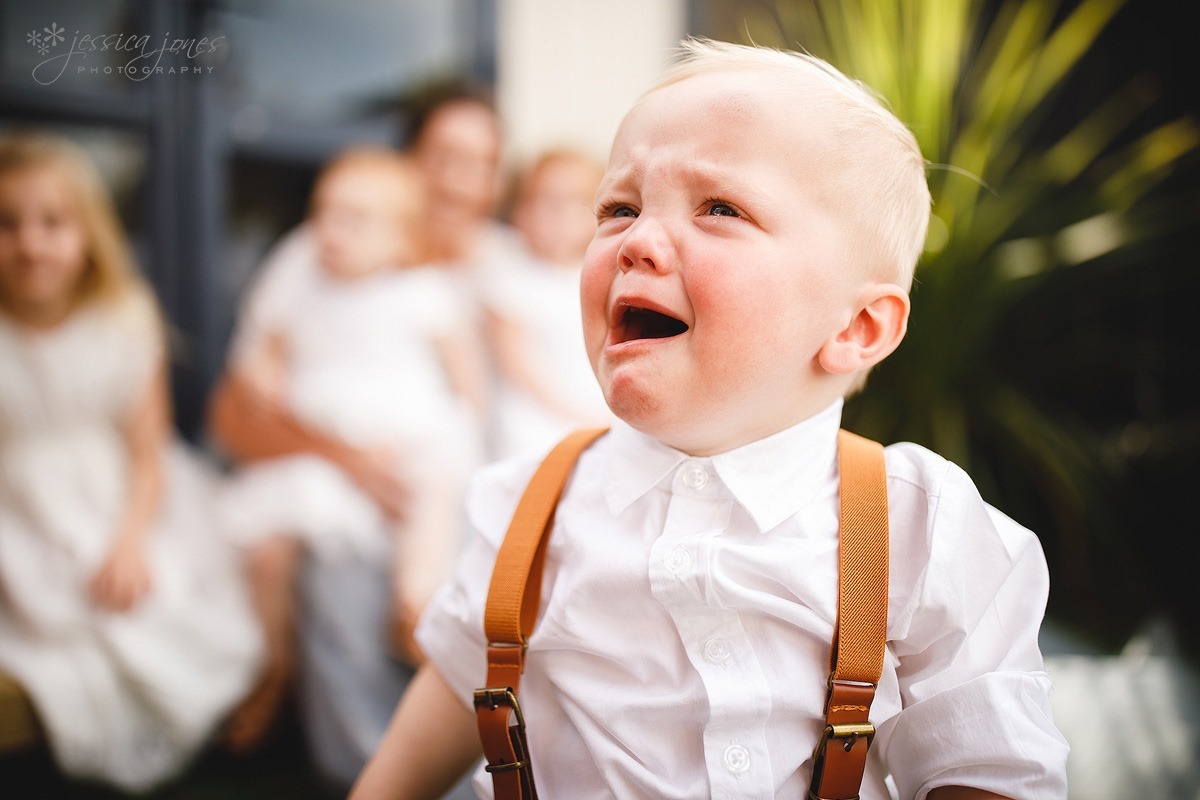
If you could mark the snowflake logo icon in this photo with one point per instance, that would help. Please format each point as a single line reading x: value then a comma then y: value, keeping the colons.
x: 54, y: 34
x: 34, y: 38
x: 43, y: 49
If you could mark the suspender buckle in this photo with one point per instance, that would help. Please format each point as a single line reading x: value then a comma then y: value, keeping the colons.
x: 494, y: 697
x: 508, y: 763
x: 847, y: 735
x: 848, y: 731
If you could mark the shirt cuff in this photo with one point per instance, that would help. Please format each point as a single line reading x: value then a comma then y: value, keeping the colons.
x: 995, y: 732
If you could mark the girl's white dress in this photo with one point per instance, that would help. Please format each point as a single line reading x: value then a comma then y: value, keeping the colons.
x: 129, y: 697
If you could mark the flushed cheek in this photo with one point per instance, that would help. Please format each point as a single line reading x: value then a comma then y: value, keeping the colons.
x: 742, y: 347
x: 594, y: 285
x: 725, y: 314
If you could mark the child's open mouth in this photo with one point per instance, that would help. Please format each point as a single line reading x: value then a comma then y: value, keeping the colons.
x: 644, y: 323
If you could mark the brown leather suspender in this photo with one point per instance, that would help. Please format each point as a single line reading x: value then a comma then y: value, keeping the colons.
x: 514, y: 598
x: 857, y: 653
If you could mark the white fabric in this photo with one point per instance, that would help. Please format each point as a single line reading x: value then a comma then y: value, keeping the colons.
x: 349, y: 683
x: 688, y: 608
x: 542, y: 299
x: 362, y: 368
x: 284, y: 278
x: 125, y: 698
x: 361, y: 361
x: 494, y: 252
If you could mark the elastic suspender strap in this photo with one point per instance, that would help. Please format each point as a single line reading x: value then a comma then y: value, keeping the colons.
x: 857, y: 655
x: 514, y: 597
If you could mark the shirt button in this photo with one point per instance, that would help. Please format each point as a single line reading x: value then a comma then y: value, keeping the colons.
x: 678, y: 560
x: 737, y: 759
x: 695, y: 476
x: 717, y: 650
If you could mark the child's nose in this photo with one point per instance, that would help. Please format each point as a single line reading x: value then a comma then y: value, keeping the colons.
x: 646, y: 246
x: 628, y: 263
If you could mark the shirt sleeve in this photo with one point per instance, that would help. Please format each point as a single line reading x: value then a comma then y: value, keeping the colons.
x: 976, y: 697
x: 450, y: 632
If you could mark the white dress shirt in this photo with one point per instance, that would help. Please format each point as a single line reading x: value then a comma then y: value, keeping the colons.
x: 689, y: 603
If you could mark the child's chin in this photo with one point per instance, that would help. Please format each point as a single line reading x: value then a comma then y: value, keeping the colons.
x: 643, y: 403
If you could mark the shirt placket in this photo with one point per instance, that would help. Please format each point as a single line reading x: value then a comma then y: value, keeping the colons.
x: 716, y: 643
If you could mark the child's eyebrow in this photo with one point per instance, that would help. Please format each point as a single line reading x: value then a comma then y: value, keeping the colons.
x: 616, y: 181
x: 717, y: 178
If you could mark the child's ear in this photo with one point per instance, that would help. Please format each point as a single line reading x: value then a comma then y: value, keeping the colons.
x: 874, y: 331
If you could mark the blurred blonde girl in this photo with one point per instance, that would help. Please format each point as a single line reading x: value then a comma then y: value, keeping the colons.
x: 122, y: 614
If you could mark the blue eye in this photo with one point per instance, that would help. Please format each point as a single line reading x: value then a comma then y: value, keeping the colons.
x: 719, y: 209
x: 615, y: 211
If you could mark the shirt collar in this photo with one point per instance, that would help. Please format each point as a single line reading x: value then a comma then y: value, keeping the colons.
x: 775, y: 477
x: 642, y: 463
x: 771, y: 478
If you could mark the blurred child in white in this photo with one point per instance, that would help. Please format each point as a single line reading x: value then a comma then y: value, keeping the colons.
x: 348, y: 680
x: 122, y: 613
x: 371, y: 355
x: 545, y: 386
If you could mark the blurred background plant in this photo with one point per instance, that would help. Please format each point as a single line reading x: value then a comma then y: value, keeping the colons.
x: 1051, y: 345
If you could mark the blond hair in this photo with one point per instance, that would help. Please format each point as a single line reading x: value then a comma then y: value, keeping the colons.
x: 109, y: 274
x: 881, y: 169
